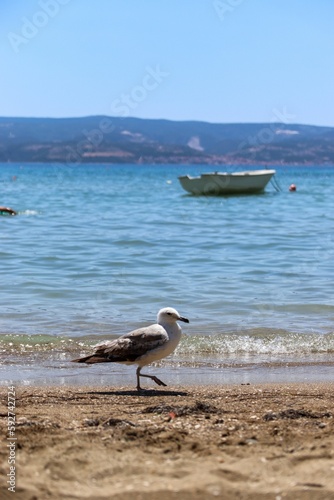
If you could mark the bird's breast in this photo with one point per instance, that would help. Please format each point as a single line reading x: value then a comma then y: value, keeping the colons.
x: 161, y: 351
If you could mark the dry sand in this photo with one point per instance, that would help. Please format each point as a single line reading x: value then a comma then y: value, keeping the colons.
x: 233, y: 442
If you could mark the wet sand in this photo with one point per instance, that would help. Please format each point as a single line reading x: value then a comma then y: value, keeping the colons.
x: 195, y: 442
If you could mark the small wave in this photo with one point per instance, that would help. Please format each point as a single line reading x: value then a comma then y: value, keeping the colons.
x: 255, y: 342
x: 28, y: 212
x: 21, y: 345
x: 260, y: 343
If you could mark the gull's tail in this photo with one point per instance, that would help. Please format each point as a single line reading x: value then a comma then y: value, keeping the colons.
x: 92, y: 358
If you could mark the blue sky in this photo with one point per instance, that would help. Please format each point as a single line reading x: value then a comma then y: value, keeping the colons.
x: 212, y: 60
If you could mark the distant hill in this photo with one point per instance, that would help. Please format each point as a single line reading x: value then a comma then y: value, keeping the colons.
x: 103, y: 139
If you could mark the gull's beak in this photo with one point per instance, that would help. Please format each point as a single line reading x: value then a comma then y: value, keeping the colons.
x: 185, y: 320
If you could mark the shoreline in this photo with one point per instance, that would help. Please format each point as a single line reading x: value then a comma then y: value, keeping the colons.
x: 174, y: 372
x: 259, y: 441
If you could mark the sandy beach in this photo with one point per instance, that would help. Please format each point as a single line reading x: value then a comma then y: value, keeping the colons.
x: 233, y: 442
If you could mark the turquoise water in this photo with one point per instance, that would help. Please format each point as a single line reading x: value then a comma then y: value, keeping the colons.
x: 96, y: 251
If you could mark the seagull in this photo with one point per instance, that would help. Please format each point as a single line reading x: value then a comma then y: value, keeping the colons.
x: 142, y: 346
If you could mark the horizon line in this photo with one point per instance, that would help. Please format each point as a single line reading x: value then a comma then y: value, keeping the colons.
x: 162, y: 119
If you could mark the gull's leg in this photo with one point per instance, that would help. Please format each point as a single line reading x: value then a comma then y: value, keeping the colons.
x: 156, y: 379
x: 152, y: 377
x: 138, y: 379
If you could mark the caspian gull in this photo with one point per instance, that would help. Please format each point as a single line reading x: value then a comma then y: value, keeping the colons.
x: 142, y: 346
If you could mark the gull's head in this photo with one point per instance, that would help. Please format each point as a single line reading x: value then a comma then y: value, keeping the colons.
x: 170, y: 315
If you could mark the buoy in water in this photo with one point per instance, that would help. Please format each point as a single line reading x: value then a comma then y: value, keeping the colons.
x: 293, y: 187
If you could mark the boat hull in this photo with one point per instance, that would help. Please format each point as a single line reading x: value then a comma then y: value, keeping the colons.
x: 223, y: 183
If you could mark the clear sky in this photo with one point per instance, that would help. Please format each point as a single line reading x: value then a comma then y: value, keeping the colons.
x: 212, y: 60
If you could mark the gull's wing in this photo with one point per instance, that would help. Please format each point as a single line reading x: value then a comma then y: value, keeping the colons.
x: 132, y: 345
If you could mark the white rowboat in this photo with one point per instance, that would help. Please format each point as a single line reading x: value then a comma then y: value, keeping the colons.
x: 221, y: 183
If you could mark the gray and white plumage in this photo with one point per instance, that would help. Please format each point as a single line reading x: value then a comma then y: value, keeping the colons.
x: 142, y: 346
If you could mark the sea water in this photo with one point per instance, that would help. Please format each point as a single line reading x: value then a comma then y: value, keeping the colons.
x: 97, y: 250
